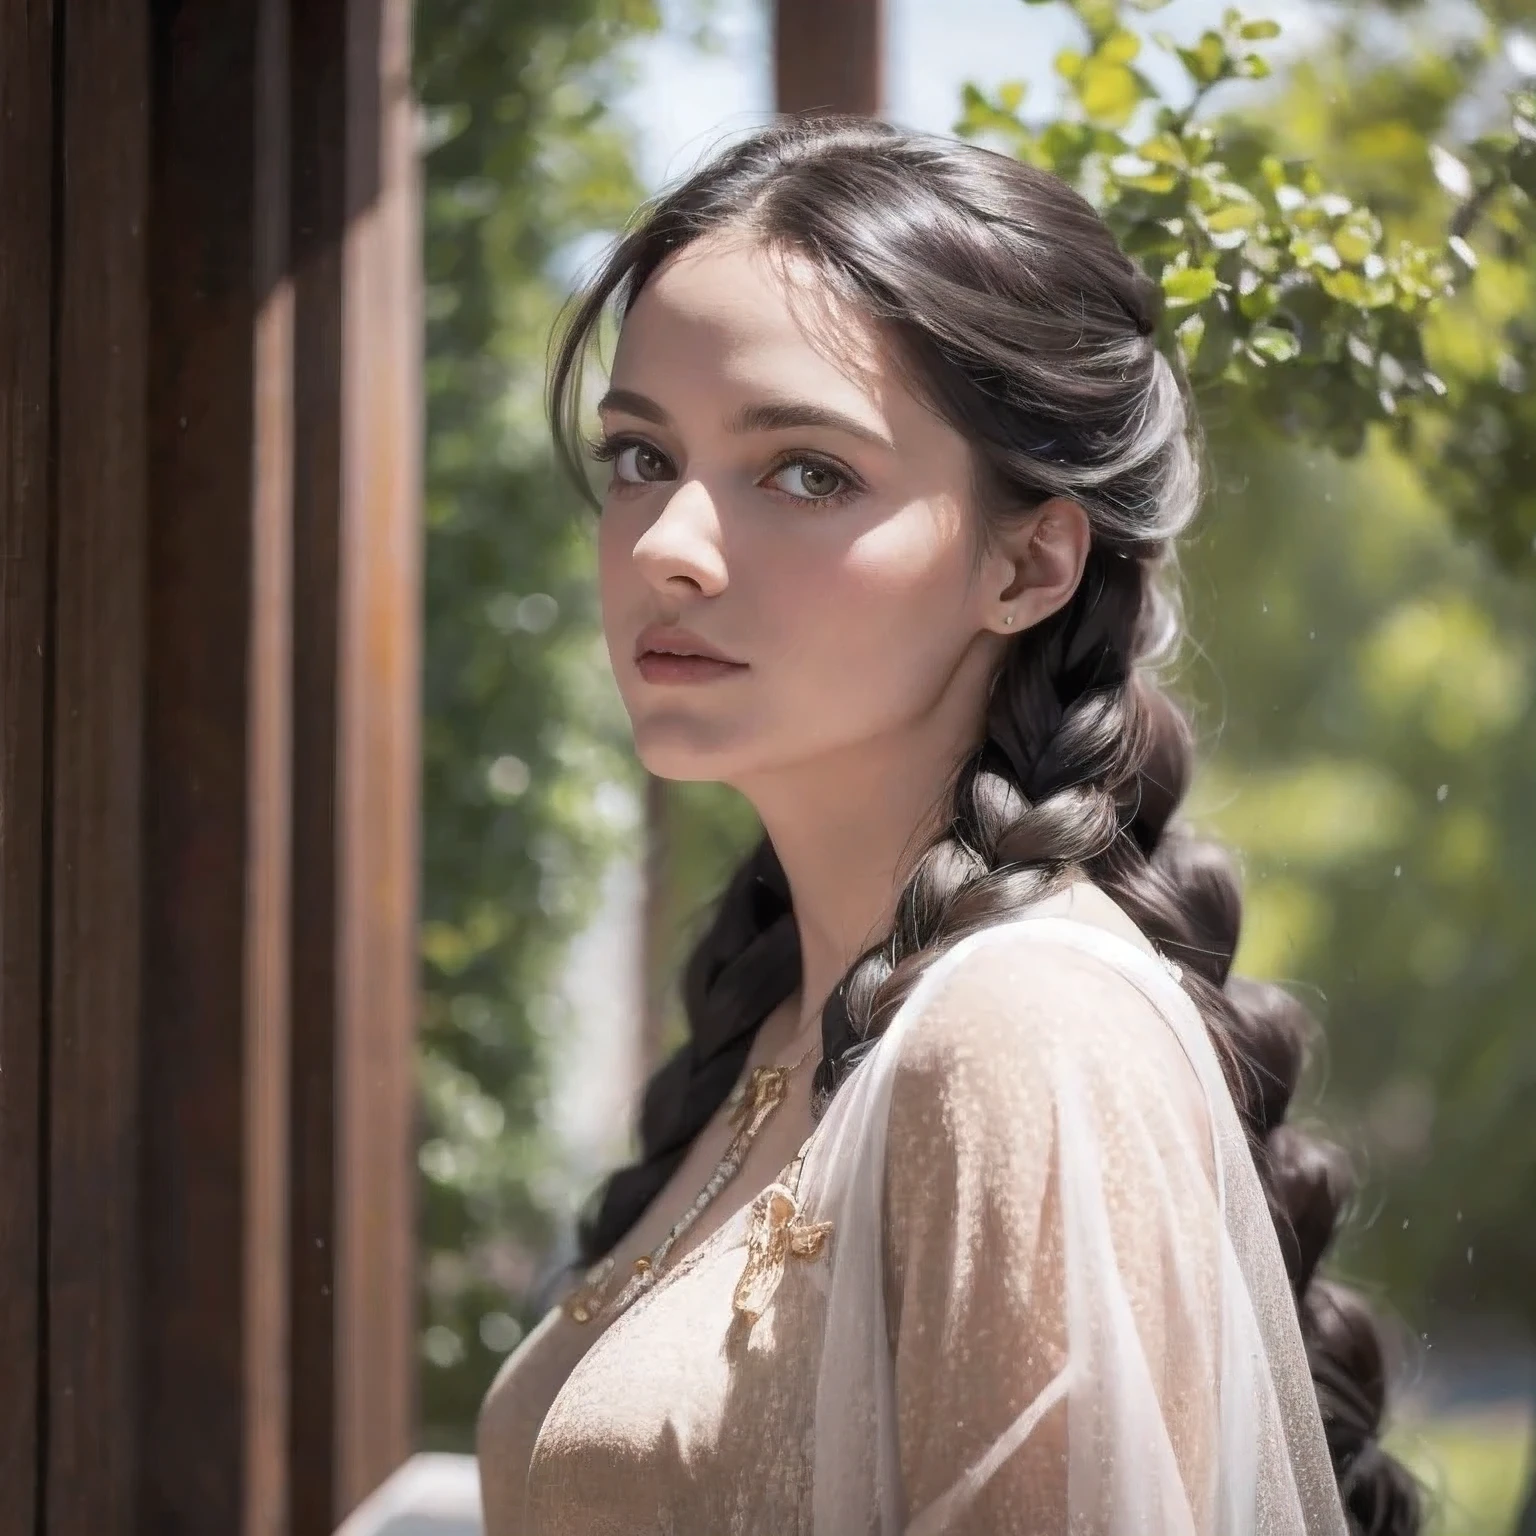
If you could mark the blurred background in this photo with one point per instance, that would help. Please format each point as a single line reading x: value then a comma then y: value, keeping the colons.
x: 1361, y: 671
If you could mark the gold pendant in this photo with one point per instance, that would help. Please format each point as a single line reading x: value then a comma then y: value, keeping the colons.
x: 775, y: 1234
x: 749, y: 1106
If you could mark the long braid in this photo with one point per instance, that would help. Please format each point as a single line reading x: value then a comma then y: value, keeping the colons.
x: 746, y: 964
x: 1019, y: 319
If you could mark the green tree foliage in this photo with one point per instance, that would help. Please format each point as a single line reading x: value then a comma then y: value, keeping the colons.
x: 1284, y: 294
x: 1419, y: 921
x: 521, y: 159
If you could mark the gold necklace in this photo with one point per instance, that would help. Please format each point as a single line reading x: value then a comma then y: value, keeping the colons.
x: 749, y: 1107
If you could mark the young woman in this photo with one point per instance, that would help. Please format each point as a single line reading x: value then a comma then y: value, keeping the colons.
x: 967, y: 1207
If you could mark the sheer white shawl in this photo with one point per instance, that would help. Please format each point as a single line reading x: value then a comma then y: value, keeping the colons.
x: 1262, y: 1468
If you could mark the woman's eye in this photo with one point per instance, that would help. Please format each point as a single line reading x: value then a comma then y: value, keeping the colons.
x: 811, y: 481
x: 639, y: 464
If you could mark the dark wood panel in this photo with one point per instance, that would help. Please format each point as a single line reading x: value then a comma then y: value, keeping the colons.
x: 828, y: 56
x: 319, y: 129
x: 93, y: 1054
x: 207, y: 879
x: 26, y: 168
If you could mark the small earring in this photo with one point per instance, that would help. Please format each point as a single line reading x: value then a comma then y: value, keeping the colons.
x: 1007, y: 618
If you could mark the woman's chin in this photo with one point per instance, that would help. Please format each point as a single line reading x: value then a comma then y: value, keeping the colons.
x: 682, y: 771
x: 686, y: 756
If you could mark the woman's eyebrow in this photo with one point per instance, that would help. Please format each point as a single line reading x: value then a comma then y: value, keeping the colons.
x: 763, y: 416
x: 776, y: 415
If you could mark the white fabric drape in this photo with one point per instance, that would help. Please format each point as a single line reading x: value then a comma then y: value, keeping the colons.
x: 1212, y: 1429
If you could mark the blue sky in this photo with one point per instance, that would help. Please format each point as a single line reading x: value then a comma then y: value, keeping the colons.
x: 684, y: 101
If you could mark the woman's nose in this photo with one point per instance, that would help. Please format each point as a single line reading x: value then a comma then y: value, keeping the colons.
x: 683, y: 544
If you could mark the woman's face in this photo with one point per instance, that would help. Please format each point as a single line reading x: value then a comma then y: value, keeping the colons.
x: 806, y: 519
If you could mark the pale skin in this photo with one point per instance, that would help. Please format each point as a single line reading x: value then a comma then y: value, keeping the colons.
x: 871, y: 622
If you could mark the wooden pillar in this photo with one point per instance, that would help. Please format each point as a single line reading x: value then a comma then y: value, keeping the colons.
x: 827, y: 56
x: 356, y: 684
x: 72, y: 527
x: 26, y: 537
x: 209, y: 338
x: 214, y: 1002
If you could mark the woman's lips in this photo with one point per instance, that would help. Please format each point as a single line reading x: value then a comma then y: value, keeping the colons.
x: 664, y: 667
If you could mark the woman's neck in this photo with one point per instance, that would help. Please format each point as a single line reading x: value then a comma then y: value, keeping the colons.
x: 847, y: 834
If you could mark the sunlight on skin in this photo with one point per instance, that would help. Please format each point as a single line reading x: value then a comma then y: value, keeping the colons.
x: 839, y: 563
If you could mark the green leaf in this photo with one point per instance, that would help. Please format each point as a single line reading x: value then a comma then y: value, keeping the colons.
x: 1100, y: 17
x: 1256, y: 297
x: 1232, y: 216
x: 1253, y: 31
x: 1357, y: 239
x: 1143, y: 175
x: 1208, y: 61
x: 1190, y: 333
x: 1119, y: 47
x: 1183, y: 286
x: 1109, y: 92
x: 1164, y: 148
x: 1274, y: 344
x: 1158, y: 183
x: 1069, y: 63
x: 1352, y: 288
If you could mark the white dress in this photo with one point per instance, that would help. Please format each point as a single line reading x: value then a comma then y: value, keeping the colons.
x: 1051, y: 1301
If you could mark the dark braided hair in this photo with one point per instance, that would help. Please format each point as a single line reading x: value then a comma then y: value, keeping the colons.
x: 1016, y: 315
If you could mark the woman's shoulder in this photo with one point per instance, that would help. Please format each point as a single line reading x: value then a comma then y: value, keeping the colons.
x: 1019, y: 1005
x: 1072, y: 967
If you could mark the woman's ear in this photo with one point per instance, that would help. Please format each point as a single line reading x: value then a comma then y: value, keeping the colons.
x: 1039, y: 563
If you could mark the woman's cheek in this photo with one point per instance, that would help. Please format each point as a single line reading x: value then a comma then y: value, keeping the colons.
x: 853, y: 636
